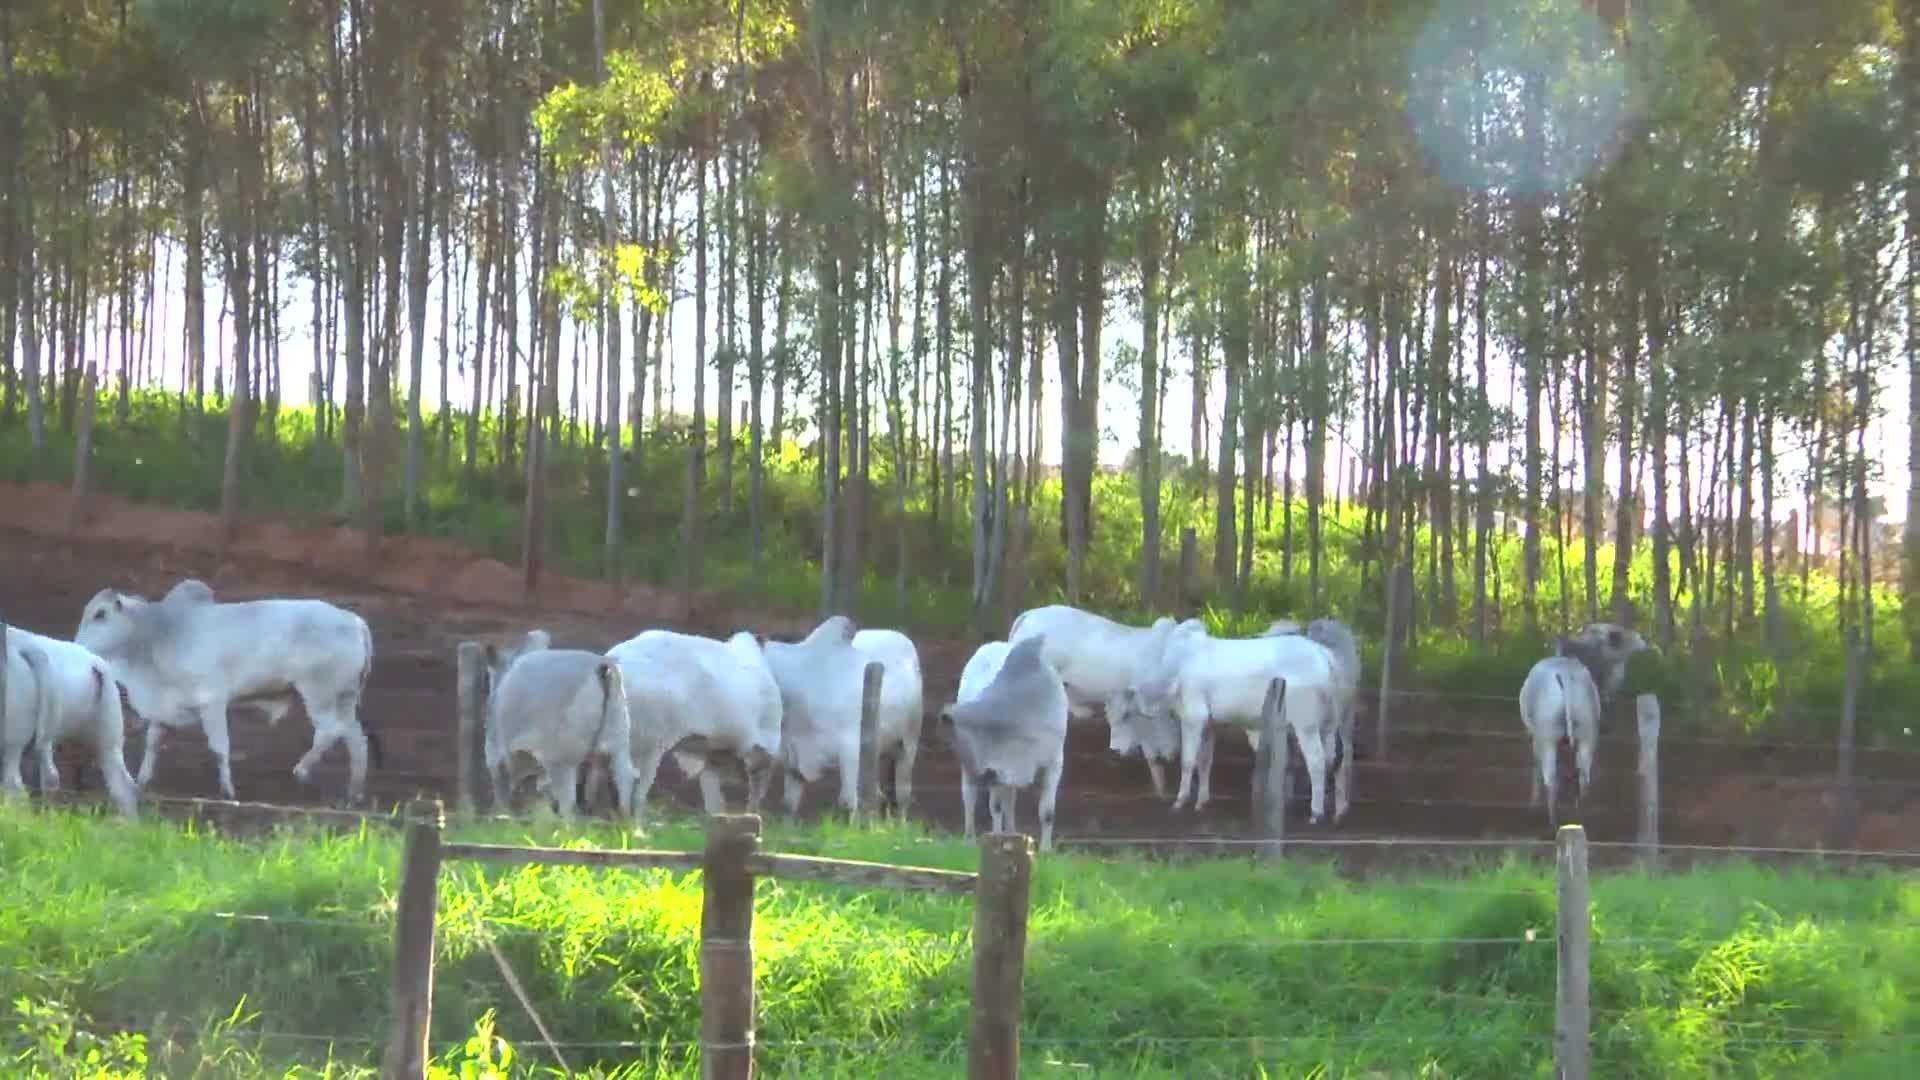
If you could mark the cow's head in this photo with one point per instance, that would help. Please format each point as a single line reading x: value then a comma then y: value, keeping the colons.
x: 501, y: 655
x: 1605, y: 649
x: 107, y: 621
x: 1141, y: 717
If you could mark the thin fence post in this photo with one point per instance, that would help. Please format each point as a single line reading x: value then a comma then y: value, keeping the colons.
x: 1840, y: 824
x: 1849, y: 716
x: 1574, y: 926
x: 1648, y: 713
x: 83, y: 448
x: 412, y: 1004
x: 869, y: 790
x: 1272, y: 768
x: 726, y: 948
x: 1389, y: 646
x: 470, y: 700
x: 1189, y: 560
x: 999, y: 955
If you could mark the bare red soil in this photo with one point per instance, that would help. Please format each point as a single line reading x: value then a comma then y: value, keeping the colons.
x: 427, y: 596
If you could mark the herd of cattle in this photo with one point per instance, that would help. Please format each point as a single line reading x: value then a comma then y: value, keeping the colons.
x: 746, y: 705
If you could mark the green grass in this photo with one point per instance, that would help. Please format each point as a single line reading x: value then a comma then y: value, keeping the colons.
x: 165, y: 455
x: 1134, y: 967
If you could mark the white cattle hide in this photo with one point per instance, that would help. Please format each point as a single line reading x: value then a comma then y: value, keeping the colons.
x: 1559, y: 703
x: 1202, y: 681
x: 1096, y: 658
x: 902, y: 706
x: 1011, y: 735
x: 822, y: 678
x: 59, y: 690
x: 559, y: 708
x: 710, y: 702
x: 184, y: 659
x: 982, y: 666
x: 1338, y: 640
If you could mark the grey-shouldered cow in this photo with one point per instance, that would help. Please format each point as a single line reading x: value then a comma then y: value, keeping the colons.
x: 185, y: 658
x: 1012, y: 735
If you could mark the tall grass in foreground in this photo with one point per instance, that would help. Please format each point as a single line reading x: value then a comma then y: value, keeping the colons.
x: 1223, y: 967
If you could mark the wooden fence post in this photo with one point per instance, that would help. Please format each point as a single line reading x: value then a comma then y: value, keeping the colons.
x: 1272, y: 768
x: 1648, y: 707
x: 470, y: 701
x: 726, y: 948
x: 1574, y: 927
x: 1189, y: 559
x: 869, y: 790
x: 999, y: 955
x: 412, y: 1004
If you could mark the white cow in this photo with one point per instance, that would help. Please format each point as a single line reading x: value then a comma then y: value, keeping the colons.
x: 1334, y: 635
x: 1011, y: 734
x: 902, y: 706
x: 710, y: 702
x: 59, y: 690
x: 1559, y: 703
x: 1202, y: 681
x: 560, y: 708
x: 26, y: 709
x: 184, y: 659
x: 1096, y: 658
x: 821, y: 679
x: 982, y: 666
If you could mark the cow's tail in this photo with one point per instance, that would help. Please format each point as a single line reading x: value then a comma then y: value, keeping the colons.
x: 613, y: 691
x: 1565, y: 735
x: 366, y: 672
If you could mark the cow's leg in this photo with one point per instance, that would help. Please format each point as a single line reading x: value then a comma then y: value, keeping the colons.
x: 335, y: 720
x: 49, y: 772
x: 1049, y: 797
x: 791, y: 790
x: 903, y: 773
x: 1547, y: 766
x: 1313, y: 754
x: 646, y: 766
x: 149, y: 757
x: 1205, y: 769
x: 850, y: 782
x: 759, y: 778
x: 563, y: 782
x: 1158, y: 774
x: 1001, y: 805
x: 713, y: 794
x: 969, y: 801
x: 1192, y: 730
x: 213, y: 721
x: 10, y: 756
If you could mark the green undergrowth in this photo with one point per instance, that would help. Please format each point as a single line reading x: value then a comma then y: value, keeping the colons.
x: 165, y: 454
x: 116, y: 961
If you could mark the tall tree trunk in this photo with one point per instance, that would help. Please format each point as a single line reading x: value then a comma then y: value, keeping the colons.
x: 616, y: 410
x: 1149, y: 463
x: 1910, y: 122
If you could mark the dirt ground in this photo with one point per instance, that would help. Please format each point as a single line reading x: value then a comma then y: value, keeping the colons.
x: 1450, y: 774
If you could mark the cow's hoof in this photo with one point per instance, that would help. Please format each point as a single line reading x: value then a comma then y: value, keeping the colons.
x: 301, y: 773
